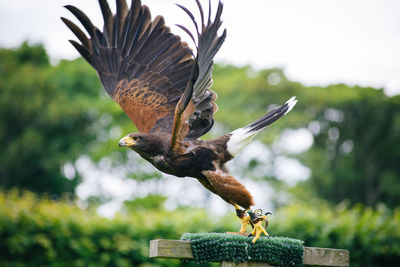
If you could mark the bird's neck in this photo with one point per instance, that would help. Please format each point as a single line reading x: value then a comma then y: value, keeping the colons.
x: 155, y: 146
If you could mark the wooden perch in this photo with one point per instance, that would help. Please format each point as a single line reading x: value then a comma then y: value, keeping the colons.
x: 180, y: 249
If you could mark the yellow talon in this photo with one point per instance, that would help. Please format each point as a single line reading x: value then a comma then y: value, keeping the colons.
x: 244, y: 218
x: 258, y: 230
x: 257, y: 219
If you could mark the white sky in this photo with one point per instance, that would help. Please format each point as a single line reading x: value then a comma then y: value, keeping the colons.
x: 317, y: 42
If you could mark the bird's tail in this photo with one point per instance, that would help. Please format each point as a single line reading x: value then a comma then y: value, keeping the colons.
x: 239, y: 138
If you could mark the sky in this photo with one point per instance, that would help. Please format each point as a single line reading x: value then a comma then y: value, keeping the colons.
x: 316, y: 42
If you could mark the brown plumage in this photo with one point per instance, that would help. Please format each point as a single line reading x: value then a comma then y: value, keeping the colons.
x: 166, y: 92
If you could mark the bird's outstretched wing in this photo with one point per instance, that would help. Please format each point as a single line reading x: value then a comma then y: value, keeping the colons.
x: 141, y: 64
x: 194, y: 111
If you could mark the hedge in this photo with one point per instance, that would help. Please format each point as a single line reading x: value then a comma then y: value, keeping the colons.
x: 38, y: 231
x: 41, y: 232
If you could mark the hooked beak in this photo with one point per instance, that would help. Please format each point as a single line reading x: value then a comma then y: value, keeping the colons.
x: 268, y: 213
x: 126, y: 142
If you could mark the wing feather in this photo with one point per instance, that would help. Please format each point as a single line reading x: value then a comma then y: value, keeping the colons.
x: 141, y: 64
x: 83, y: 19
x: 78, y: 32
x: 108, y: 20
x: 194, y: 111
x: 122, y: 11
x: 82, y: 50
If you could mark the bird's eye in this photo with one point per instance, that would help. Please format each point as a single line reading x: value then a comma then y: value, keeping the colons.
x: 135, y: 138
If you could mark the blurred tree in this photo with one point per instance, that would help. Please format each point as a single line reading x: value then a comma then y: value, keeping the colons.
x: 356, y: 153
x: 155, y: 202
x: 46, y: 116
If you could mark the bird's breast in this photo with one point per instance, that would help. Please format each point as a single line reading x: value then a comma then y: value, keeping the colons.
x: 158, y: 159
x: 167, y: 165
x: 190, y: 164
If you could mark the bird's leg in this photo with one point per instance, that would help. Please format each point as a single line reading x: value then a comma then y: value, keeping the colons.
x: 257, y: 219
x: 244, y: 218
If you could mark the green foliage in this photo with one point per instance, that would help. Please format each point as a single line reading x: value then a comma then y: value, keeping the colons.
x: 357, y: 146
x: 145, y: 203
x: 42, y: 232
x: 25, y: 54
x: 48, y: 117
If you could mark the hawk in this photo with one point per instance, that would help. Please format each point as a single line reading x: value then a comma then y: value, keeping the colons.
x: 165, y: 89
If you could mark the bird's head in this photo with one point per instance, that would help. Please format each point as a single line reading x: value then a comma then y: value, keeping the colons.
x: 143, y: 143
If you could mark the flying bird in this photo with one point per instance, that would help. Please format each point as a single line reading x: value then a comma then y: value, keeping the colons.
x: 165, y: 89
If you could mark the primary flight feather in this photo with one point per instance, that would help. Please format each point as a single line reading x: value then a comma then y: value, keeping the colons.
x: 166, y: 92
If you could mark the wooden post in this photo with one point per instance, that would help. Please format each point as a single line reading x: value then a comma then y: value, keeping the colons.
x: 181, y: 249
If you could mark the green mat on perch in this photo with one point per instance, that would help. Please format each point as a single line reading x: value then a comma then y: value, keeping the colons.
x: 216, y: 247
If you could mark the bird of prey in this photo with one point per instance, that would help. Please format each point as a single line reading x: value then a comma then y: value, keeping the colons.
x: 165, y: 89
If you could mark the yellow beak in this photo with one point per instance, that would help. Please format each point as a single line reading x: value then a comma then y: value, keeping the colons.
x: 126, y: 142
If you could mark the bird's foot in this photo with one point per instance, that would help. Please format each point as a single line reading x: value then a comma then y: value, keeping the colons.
x: 257, y: 231
x: 257, y: 218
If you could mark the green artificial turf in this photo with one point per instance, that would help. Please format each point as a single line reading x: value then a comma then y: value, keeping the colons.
x: 216, y: 247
